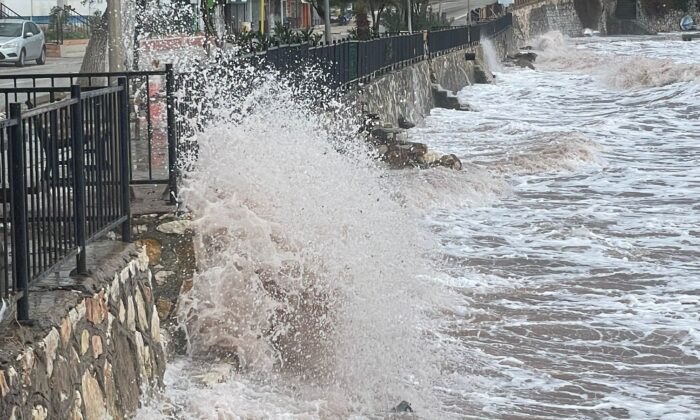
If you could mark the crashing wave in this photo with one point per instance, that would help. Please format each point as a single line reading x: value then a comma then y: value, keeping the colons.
x: 616, y: 71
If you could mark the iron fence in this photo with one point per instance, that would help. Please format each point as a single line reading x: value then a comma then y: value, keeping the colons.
x: 67, y: 23
x: 7, y: 13
x: 446, y: 40
x: 65, y: 177
x: 152, y: 142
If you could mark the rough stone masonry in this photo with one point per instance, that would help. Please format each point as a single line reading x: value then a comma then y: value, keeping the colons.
x: 94, y: 348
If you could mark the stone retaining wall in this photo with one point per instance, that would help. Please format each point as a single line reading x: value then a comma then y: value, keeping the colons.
x: 408, y: 92
x: 95, y: 345
x: 670, y: 22
x: 553, y: 15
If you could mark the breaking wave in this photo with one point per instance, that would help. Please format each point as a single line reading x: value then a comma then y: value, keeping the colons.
x: 309, y: 268
x: 616, y: 71
x: 545, y: 152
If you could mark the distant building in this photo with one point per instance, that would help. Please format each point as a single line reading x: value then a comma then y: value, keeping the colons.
x: 245, y: 14
x: 39, y: 10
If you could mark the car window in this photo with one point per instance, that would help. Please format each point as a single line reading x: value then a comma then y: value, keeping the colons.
x: 34, y: 28
x: 10, y: 29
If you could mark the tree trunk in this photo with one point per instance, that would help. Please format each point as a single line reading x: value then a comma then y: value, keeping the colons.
x: 375, y: 25
x: 95, y: 58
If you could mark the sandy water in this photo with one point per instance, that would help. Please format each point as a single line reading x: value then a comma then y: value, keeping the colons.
x: 581, y: 284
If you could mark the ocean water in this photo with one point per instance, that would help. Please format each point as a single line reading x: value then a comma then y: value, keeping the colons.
x: 556, y: 276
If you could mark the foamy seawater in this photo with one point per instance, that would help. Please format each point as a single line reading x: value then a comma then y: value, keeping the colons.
x: 581, y: 287
x: 556, y: 276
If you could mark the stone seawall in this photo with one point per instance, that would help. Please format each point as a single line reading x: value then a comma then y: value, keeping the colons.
x: 409, y: 93
x: 669, y: 22
x: 94, y: 346
x: 535, y: 19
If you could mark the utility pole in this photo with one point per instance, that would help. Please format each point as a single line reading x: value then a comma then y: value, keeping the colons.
x: 262, y: 16
x: 409, y: 13
x: 116, y: 57
x: 469, y: 22
x: 469, y: 12
x: 327, y: 21
x: 282, y: 12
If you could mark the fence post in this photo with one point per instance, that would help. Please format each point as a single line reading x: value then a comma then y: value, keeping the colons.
x: 172, y: 133
x: 124, y: 157
x: 18, y: 190
x: 78, y: 153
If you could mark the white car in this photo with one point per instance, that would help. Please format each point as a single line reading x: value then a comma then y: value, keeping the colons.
x: 21, y: 41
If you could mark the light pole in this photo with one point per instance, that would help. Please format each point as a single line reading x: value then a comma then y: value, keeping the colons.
x: 262, y: 17
x: 408, y: 5
x: 327, y: 21
x: 469, y: 22
x: 282, y: 12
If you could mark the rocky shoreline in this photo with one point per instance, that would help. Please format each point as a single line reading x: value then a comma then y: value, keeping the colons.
x: 392, y: 146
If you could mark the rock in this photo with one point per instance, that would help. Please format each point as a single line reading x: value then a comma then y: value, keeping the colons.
x: 110, y: 392
x: 451, y: 161
x: 114, y: 289
x: 4, y: 386
x: 147, y: 294
x: 385, y: 135
x: 141, y: 311
x: 130, y: 314
x: 524, y: 59
x: 176, y: 227
x: 405, y: 124
x: 162, y: 276
x: 480, y: 75
x: 66, y: 330
x: 140, y: 352
x: 153, y: 249
x: 403, y: 407
x: 50, y: 345
x: 382, y: 149
x: 163, y: 307
x: 96, y: 308
x: 524, y: 64
x: 417, y: 150
x: 397, y: 158
x: 430, y: 158
x: 186, y: 286
x: 39, y: 412
x: 155, y: 327
x: 76, y: 412
x: 84, y: 342
x: 92, y: 397
x: 96, y: 346
x: 138, y: 229
x: 122, y: 312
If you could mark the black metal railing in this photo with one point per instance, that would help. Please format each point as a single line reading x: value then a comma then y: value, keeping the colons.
x: 446, y: 40
x: 65, y: 183
x: 67, y: 23
x: 7, y: 13
x: 152, y: 143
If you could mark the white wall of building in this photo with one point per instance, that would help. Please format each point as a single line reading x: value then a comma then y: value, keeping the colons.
x: 43, y: 7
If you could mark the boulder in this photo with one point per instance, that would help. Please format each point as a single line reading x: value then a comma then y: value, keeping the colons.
x: 524, y: 59
x: 404, y: 123
x: 451, y: 161
x: 403, y: 407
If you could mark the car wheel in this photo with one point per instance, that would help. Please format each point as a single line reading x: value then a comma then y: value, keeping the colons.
x: 20, y: 60
x: 42, y: 58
